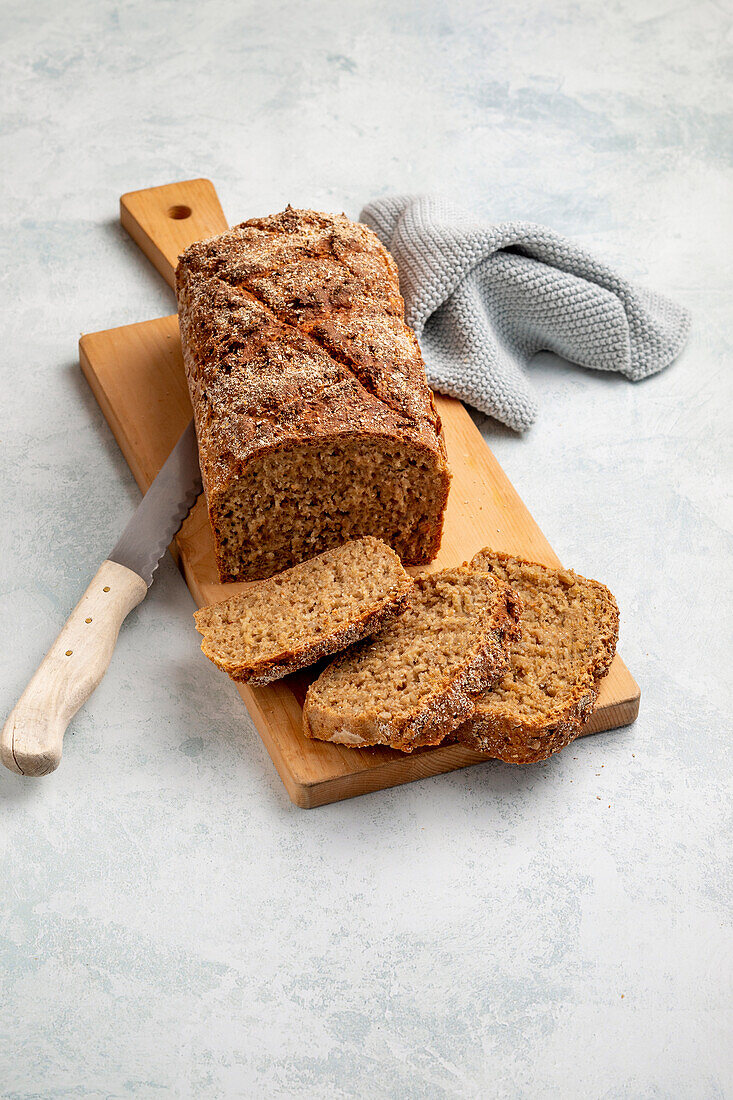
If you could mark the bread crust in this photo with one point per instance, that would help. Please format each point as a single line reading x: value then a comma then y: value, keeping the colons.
x: 499, y: 735
x: 293, y: 333
x: 445, y: 710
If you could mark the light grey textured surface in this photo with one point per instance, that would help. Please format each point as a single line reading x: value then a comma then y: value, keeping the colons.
x: 169, y: 924
x: 484, y: 298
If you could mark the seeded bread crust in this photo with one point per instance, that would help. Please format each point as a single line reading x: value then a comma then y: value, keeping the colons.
x: 319, y: 644
x: 292, y: 329
x: 447, y: 707
x: 493, y: 730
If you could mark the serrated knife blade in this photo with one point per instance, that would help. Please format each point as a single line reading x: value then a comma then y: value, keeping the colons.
x: 162, y: 510
x: 32, y: 738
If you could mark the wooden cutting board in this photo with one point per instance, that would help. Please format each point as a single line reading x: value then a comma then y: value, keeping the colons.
x: 136, y: 374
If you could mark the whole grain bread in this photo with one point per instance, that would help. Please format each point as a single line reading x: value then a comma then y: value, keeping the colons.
x: 307, y: 612
x: 314, y: 420
x: 417, y: 678
x: 569, y: 635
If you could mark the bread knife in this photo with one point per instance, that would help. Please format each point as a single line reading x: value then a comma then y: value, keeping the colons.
x: 32, y: 738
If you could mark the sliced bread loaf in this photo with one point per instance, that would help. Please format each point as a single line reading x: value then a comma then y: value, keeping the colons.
x: 310, y: 611
x: 314, y: 420
x: 416, y: 680
x: 569, y: 634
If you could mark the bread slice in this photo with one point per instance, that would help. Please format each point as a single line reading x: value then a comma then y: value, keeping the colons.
x: 569, y: 634
x: 417, y: 679
x: 310, y: 611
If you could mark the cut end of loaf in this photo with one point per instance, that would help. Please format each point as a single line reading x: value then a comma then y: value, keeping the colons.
x: 292, y: 505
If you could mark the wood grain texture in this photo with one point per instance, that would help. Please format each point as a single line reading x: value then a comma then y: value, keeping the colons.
x: 166, y: 220
x: 136, y: 374
x: 32, y: 738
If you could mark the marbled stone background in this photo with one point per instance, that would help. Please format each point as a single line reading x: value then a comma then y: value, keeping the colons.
x: 170, y: 925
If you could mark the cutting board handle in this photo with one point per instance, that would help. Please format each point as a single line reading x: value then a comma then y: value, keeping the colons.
x: 166, y: 220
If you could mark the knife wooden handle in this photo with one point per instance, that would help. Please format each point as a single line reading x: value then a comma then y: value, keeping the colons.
x: 165, y: 220
x: 33, y: 735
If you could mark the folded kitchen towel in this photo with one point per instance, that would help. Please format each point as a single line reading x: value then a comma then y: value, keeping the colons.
x: 483, y: 298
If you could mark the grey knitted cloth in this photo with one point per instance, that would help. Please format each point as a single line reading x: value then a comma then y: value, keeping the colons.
x: 484, y: 298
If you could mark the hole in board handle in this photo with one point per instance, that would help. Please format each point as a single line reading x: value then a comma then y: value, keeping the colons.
x: 178, y: 213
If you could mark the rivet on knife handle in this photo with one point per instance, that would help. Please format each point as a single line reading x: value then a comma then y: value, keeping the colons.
x: 32, y: 738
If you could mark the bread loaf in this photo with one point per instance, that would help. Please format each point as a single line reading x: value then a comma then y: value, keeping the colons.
x: 315, y: 423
